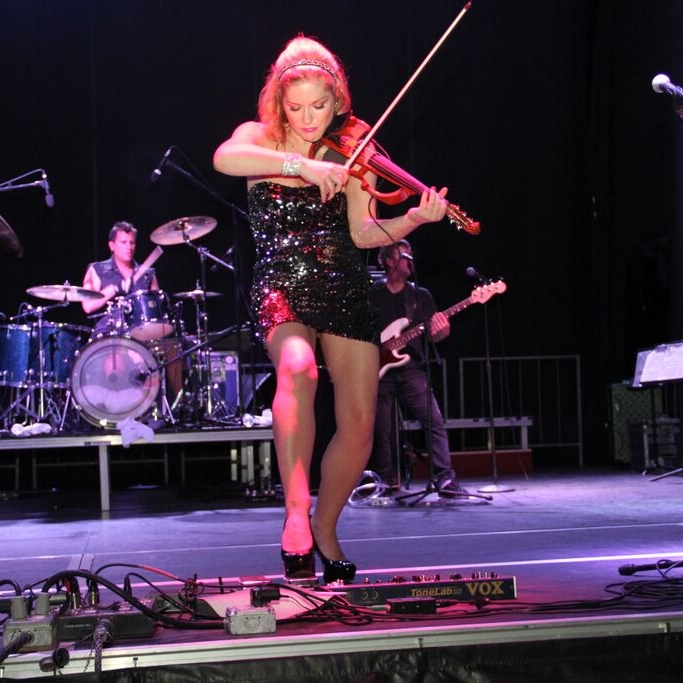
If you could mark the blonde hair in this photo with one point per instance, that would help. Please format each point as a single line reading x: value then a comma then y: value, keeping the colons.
x: 303, y: 58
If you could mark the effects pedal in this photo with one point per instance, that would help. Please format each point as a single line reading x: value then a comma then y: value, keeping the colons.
x: 480, y: 586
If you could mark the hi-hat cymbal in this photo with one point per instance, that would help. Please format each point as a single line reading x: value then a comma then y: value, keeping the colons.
x: 183, y: 230
x: 65, y: 292
x: 197, y: 294
x: 9, y: 242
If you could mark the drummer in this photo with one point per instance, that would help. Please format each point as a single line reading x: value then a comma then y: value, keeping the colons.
x: 115, y: 276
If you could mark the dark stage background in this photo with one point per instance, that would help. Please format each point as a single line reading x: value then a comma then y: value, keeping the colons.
x: 538, y: 115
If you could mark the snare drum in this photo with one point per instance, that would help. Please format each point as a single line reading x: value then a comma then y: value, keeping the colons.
x: 149, y: 315
x: 113, y: 378
x: 20, y: 353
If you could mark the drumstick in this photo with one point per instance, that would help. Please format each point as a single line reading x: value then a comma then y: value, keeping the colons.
x: 147, y: 263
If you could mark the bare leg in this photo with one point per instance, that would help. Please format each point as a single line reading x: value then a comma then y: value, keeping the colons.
x: 292, y: 349
x: 354, y: 368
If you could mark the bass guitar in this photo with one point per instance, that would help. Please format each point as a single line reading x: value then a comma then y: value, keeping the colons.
x: 393, y: 338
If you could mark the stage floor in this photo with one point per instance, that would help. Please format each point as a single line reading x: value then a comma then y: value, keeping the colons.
x: 561, y: 536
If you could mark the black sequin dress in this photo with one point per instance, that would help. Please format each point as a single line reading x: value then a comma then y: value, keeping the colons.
x: 307, y: 268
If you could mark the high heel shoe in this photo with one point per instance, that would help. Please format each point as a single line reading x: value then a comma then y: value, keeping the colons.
x: 336, y: 570
x: 298, y: 566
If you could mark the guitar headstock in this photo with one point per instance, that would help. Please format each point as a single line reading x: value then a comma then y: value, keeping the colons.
x: 483, y: 293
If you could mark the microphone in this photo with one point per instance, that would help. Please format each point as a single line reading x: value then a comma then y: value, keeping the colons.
x: 45, y: 184
x: 472, y: 272
x: 156, y: 173
x: 628, y: 569
x: 661, y: 83
x: 139, y: 377
x: 407, y: 257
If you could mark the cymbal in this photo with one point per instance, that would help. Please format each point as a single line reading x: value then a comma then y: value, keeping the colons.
x: 9, y: 242
x: 197, y: 294
x: 182, y: 230
x: 65, y: 292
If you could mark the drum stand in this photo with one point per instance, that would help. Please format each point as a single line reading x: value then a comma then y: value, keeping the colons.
x: 47, y: 407
x: 209, y: 405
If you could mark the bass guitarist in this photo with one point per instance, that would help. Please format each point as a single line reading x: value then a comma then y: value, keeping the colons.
x: 403, y: 377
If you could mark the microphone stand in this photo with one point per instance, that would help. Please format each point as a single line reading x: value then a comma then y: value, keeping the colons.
x: 432, y: 486
x: 241, y: 295
x: 9, y: 185
x: 495, y: 487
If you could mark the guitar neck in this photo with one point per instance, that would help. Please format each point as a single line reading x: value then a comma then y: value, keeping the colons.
x: 399, y: 342
x: 460, y: 306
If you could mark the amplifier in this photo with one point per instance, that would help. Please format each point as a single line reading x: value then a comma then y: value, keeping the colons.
x: 224, y: 377
x: 449, y: 590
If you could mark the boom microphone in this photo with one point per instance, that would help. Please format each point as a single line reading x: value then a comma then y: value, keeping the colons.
x: 472, y: 272
x: 139, y: 377
x: 156, y: 173
x: 661, y: 83
x: 45, y: 184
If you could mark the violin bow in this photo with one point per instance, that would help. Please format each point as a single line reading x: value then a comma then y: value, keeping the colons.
x: 371, y: 134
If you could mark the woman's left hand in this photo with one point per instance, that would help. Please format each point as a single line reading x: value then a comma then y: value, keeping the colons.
x: 432, y: 207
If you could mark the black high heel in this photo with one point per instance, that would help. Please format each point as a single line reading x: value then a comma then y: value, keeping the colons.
x: 336, y: 570
x: 298, y: 566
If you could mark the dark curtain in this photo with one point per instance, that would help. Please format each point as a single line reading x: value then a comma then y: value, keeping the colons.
x: 539, y: 116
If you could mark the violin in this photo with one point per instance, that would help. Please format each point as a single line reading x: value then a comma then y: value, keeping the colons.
x: 345, y: 140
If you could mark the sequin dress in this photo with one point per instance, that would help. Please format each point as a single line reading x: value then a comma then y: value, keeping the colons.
x: 307, y: 268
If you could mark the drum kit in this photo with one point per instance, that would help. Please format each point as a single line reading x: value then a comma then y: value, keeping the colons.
x: 137, y: 362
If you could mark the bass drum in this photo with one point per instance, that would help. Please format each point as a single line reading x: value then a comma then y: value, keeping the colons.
x: 114, y: 378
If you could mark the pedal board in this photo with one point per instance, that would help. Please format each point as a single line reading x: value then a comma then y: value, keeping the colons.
x: 454, y: 589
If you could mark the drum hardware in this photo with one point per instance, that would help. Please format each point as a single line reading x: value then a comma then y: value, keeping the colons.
x: 117, y: 377
x: 35, y: 360
x: 200, y: 398
x: 145, y: 315
x: 209, y: 405
x: 206, y: 401
x: 114, y: 318
x: 49, y: 402
x: 114, y: 378
x: 148, y: 315
x: 9, y: 242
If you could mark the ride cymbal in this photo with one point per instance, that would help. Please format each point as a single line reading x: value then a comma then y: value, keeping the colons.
x: 65, y: 292
x: 183, y: 230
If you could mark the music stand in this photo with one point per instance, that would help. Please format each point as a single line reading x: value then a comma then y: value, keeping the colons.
x: 660, y: 364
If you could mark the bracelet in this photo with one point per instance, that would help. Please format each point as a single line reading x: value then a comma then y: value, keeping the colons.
x: 291, y: 165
